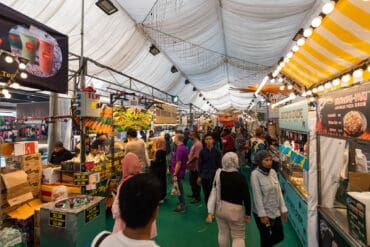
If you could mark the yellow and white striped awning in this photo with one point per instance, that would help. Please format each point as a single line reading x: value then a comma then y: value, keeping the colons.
x: 340, y: 43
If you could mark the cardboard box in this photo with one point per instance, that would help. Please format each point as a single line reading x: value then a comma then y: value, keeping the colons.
x: 22, y: 148
x: 359, y: 182
x: 17, y: 187
x: 6, y: 149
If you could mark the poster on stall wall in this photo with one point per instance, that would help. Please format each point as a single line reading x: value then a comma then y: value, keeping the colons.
x: 42, y: 49
x: 294, y: 116
x: 345, y: 113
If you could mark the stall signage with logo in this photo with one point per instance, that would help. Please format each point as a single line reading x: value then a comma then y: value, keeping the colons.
x: 345, y: 113
x: 294, y: 116
x: 57, y: 219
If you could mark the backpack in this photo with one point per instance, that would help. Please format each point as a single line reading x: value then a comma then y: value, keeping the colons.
x: 257, y: 145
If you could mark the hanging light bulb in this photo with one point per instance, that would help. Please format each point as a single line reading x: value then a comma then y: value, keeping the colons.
x: 321, y: 88
x: 301, y: 42
x: 346, y: 78
x: 282, y: 64
x: 272, y: 80
x: 15, y: 85
x: 328, y: 7
x: 309, y: 92
x: 314, y: 90
x: 289, y: 55
x: 312, y: 99
x: 328, y: 85
x: 307, y: 32
x: 290, y: 87
x: 280, y: 80
x: 295, y: 48
x: 286, y: 60
x: 368, y: 68
x: 336, y: 82
x: 358, y: 74
x: 7, y: 96
x: 316, y: 22
x: 5, y: 91
x: 268, y: 103
x: 22, y: 66
x: 292, y: 95
x: 282, y: 87
x: 9, y: 59
x: 23, y: 75
x: 304, y: 94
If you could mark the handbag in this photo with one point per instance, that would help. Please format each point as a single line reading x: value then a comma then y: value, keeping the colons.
x: 212, y: 200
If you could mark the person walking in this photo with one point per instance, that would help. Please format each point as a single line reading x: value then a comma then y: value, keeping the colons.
x: 192, y: 164
x: 226, y: 201
x: 209, y: 162
x: 268, y: 202
x: 158, y: 166
x: 178, y: 168
x: 137, y: 146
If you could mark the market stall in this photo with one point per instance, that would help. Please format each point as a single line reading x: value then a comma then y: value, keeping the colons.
x: 297, y: 133
x: 343, y: 129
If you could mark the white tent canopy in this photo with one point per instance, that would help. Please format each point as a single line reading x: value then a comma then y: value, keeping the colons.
x: 215, y: 44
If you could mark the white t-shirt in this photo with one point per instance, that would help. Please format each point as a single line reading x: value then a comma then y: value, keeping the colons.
x: 120, y: 240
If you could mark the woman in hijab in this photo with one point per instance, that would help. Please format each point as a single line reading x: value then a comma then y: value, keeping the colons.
x: 268, y: 202
x: 159, y: 167
x: 130, y: 167
x: 232, y: 193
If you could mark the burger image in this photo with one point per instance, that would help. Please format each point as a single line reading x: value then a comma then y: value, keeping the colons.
x: 354, y: 123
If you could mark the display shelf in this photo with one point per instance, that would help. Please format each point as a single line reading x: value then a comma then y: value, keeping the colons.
x: 337, y: 218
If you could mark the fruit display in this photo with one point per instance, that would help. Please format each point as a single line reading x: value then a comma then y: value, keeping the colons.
x: 124, y: 119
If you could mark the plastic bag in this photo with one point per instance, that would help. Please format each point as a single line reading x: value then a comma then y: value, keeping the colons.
x: 59, y: 193
x: 175, y: 189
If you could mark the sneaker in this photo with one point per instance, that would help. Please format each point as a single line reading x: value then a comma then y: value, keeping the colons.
x: 179, y: 209
x: 194, y: 201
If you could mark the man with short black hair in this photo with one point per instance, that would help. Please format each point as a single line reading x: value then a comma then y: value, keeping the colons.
x: 60, y: 154
x: 138, y: 199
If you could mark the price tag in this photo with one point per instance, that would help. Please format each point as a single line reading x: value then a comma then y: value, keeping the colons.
x: 92, y: 212
x: 57, y: 219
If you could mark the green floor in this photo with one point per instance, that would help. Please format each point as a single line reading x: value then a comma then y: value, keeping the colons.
x: 189, y: 228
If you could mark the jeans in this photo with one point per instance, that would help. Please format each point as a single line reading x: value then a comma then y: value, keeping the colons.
x: 270, y: 235
x: 195, y: 188
x: 181, y: 196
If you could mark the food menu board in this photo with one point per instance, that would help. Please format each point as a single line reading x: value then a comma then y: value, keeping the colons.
x: 345, y: 113
x: 294, y: 116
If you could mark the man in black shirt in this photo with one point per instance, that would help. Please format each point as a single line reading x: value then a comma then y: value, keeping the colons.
x: 209, y: 162
x: 60, y: 154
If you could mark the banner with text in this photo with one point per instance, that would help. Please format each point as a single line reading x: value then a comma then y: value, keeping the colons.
x: 345, y: 113
x: 166, y: 114
x: 294, y: 116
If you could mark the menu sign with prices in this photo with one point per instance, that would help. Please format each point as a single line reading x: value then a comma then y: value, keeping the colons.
x: 345, y: 113
x: 57, y: 219
x: 92, y: 212
x: 81, y: 179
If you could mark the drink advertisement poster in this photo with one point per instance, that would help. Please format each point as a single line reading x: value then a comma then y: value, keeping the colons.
x: 32, y: 54
x: 345, y: 113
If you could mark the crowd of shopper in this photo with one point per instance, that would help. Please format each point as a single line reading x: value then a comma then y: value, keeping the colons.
x: 213, y: 162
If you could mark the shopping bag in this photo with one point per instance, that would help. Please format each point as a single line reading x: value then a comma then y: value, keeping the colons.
x: 175, y: 189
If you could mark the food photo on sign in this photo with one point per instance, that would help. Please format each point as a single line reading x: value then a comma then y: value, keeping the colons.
x: 345, y: 113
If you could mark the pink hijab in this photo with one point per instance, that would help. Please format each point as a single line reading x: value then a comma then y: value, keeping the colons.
x: 130, y: 166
